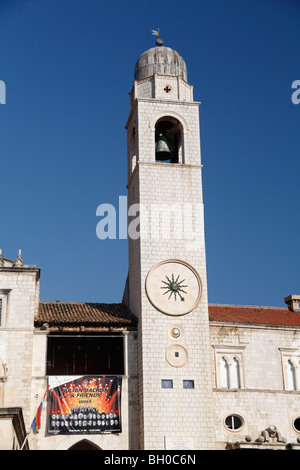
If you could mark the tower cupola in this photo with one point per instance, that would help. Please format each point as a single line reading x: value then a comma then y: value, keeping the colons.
x: 160, y: 77
x: 160, y: 60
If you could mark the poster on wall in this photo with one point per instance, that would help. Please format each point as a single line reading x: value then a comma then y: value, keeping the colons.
x: 84, y: 405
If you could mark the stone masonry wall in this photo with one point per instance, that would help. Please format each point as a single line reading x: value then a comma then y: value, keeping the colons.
x: 263, y: 399
x: 16, y: 335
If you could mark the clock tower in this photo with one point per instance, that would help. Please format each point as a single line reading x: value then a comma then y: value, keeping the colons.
x: 167, y: 287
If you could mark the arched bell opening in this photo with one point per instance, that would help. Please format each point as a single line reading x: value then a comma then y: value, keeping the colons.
x: 168, y: 141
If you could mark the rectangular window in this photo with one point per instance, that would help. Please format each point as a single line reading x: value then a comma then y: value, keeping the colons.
x: 188, y: 384
x: 85, y: 355
x: 166, y: 383
x: 0, y: 310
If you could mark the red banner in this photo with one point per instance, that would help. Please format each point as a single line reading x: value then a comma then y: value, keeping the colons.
x: 84, y: 405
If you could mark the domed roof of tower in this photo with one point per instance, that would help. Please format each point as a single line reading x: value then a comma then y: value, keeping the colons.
x: 161, y: 60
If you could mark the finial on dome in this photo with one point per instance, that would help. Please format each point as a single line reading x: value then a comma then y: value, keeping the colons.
x: 159, y: 41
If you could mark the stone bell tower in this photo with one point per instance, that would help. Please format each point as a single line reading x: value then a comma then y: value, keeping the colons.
x: 167, y: 287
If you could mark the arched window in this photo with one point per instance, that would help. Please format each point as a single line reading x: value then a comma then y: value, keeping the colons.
x: 229, y: 362
x: 235, y: 379
x: 224, y: 373
x: 168, y: 140
x: 291, y: 376
x: 290, y: 359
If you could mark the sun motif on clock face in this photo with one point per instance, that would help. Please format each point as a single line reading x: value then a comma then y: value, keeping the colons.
x: 173, y: 287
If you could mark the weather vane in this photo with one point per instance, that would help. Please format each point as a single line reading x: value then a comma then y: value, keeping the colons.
x: 159, y: 41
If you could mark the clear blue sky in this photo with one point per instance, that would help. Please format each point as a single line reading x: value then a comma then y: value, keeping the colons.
x: 68, y: 68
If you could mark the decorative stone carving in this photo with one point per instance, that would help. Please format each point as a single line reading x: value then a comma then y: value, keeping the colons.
x: 269, y: 438
x: 19, y: 262
x: 271, y: 434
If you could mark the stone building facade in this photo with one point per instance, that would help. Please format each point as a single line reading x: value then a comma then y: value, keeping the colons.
x: 189, y: 375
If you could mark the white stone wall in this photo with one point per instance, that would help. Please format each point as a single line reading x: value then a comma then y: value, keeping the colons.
x: 262, y: 400
x: 145, y: 88
x: 174, y: 184
x: 16, y: 335
x: 155, y: 87
x: 8, y: 437
x: 167, y: 414
x: 149, y: 111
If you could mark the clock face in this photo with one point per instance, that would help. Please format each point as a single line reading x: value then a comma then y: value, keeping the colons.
x: 173, y: 287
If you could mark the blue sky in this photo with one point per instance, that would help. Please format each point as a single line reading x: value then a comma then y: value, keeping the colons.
x: 68, y: 68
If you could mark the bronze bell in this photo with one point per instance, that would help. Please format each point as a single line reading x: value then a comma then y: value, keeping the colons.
x: 162, y: 151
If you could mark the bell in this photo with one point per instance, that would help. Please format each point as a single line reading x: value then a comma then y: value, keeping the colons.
x: 162, y: 151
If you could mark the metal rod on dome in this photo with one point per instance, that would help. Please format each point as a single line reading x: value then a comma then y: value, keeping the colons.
x: 159, y: 41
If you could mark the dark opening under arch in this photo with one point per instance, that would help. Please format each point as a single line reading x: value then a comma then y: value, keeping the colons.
x: 168, y: 140
x: 84, y: 444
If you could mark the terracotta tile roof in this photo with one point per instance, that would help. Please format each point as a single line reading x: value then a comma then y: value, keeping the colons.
x: 94, y: 314
x: 98, y: 314
x: 270, y: 316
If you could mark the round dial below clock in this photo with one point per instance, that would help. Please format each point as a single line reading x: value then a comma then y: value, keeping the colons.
x: 173, y: 287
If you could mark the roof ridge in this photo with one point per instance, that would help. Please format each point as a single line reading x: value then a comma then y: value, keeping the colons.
x: 246, y: 306
x: 81, y: 303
